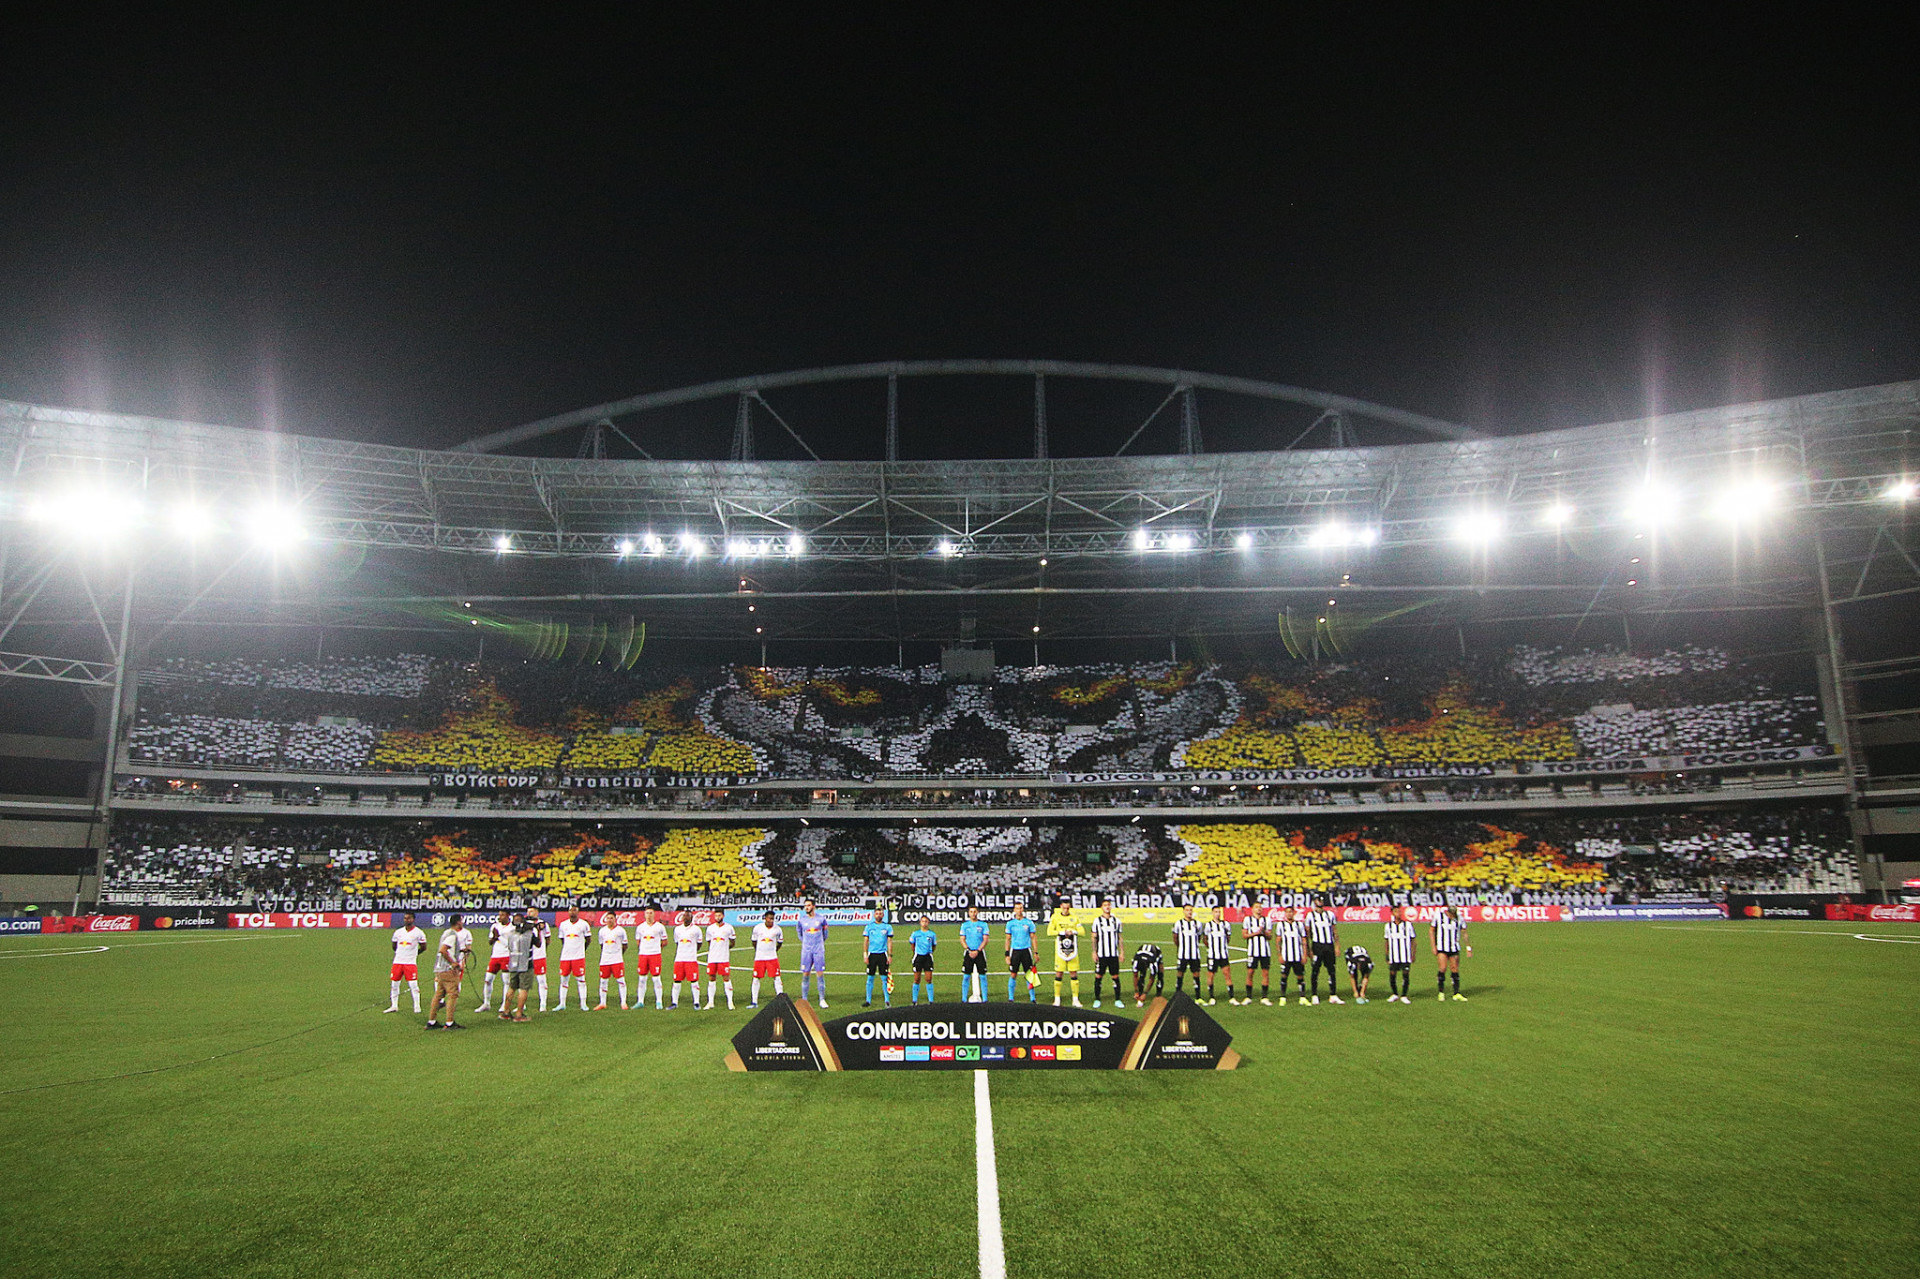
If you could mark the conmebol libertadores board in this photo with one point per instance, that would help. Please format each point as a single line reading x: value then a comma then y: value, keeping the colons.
x: 1174, y: 1034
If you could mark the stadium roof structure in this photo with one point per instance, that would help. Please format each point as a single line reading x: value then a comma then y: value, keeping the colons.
x: 1775, y: 506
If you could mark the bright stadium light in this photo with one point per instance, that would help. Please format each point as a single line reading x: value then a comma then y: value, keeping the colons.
x: 1340, y: 533
x: 1180, y: 542
x: 1745, y: 501
x: 693, y: 546
x: 650, y: 543
x: 1902, y: 491
x: 1142, y: 540
x: 739, y: 547
x: 1558, y: 515
x: 625, y: 548
x: 945, y: 548
x: 1478, y: 528
x: 796, y: 545
x: 503, y: 543
x: 1651, y: 503
x: 1243, y: 542
x: 275, y: 526
x: 97, y: 515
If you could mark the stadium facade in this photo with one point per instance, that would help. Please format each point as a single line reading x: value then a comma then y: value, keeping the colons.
x: 1672, y: 624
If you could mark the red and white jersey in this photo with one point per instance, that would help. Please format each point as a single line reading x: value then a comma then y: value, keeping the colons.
x: 573, y: 938
x: 766, y: 941
x: 720, y: 937
x: 497, y: 934
x: 686, y: 943
x: 541, y: 931
x: 649, y: 937
x: 406, y: 945
x: 613, y: 945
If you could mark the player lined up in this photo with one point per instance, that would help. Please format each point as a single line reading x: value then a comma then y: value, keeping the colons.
x: 517, y: 956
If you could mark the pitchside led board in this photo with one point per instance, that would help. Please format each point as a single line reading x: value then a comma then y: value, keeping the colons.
x: 1174, y: 1035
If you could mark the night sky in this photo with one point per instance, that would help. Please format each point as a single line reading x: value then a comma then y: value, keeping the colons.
x: 418, y: 234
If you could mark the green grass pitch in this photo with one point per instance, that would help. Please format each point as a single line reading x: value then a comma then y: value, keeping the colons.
x: 1616, y: 1099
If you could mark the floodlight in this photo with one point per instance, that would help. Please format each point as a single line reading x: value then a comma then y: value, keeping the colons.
x: 1651, y: 503
x: 625, y: 548
x: 796, y: 545
x: 1557, y: 515
x: 1243, y: 542
x: 738, y: 547
x: 1142, y: 540
x: 945, y: 547
x: 1747, y: 500
x: 1332, y: 533
x: 1180, y: 542
x: 503, y: 543
x: 1036, y: 630
x: 276, y: 527
x: 1902, y: 491
x: 1478, y: 527
x: 93, y: 514
x: 692, y: 545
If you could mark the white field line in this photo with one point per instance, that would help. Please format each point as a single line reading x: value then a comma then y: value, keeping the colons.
x: 993, y: 1256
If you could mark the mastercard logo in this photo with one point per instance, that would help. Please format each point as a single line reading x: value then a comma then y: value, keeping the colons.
x: 164, y: 921
x: 1017, y: 1053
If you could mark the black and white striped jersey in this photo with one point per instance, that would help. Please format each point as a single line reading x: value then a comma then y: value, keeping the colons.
x: 1448, y: 934
x: 1290, y: 935
x: 1186, y: 939
x: 1106, y: 936
x: 1219, y: 939
x: 1147, y: 958
x: 1400, y: 941
x: 1259, y: 935
x: 1320, y: 924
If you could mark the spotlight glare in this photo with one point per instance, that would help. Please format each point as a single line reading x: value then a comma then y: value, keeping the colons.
x: 1180, y: 542
x: 1332, y: 533
x: 1036, y: 630
x: 276, y: 527
x: 97, y: 515
x: 1478, y: 527
x: 1744, y: 501
x: 1142, y: 540
x: 796, y: 545
x: 1651, y: 503
x: 945, y: 547
x: 738, y: 547
x: 1557, y: 515
x: 503, y: 543
x: 190, y: 521
x: 1243, y: 542
x: 651, y: 543
x: 1902, y: 491
x: 625, y: 548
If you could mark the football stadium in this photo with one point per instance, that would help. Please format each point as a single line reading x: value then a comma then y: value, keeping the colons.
x: 1582, y: 765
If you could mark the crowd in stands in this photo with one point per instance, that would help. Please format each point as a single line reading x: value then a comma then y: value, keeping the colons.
x: 414, y: 714
x: 1795, y: 847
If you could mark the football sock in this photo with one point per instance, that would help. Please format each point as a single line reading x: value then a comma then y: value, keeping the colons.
x: 1056, y: 989
x: 1009, y: 987
x: 603, y: 990
x: 413, y: 987
x: 656, y: 992
x: 1076, y: 988
x: 713, y: 985
x: 395, y: 1001
x: 542, y: 979
x: 778, y: 988
x: 623, y: 992
x: 729, y: 994
x: 756, y: 991
x: 1456, y: 981
x: 869, y: 987
x: 582, y: 983
x: 563, y: 995
x: 1443, y: 981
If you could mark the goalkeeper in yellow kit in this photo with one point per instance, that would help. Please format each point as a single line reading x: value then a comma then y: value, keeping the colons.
x: 1066, y: 950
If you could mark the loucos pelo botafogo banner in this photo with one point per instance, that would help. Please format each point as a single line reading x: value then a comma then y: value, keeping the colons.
x: 1175, y: 1034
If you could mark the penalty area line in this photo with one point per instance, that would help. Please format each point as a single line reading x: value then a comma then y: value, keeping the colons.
x: 993, y: 1256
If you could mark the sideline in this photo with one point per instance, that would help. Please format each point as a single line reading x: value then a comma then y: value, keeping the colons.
x: 993, y: 1256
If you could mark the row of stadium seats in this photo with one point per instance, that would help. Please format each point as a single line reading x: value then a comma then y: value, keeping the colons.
x: 1562, y: 853
x: 417, y: 715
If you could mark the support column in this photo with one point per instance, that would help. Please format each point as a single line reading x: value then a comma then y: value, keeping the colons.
x: 893, y: 418
x: 1866, y: 866
x: 103, y: 809
x: 1189, y: 422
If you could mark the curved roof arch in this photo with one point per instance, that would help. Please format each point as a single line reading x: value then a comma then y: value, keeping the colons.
x: 1177, y: 379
